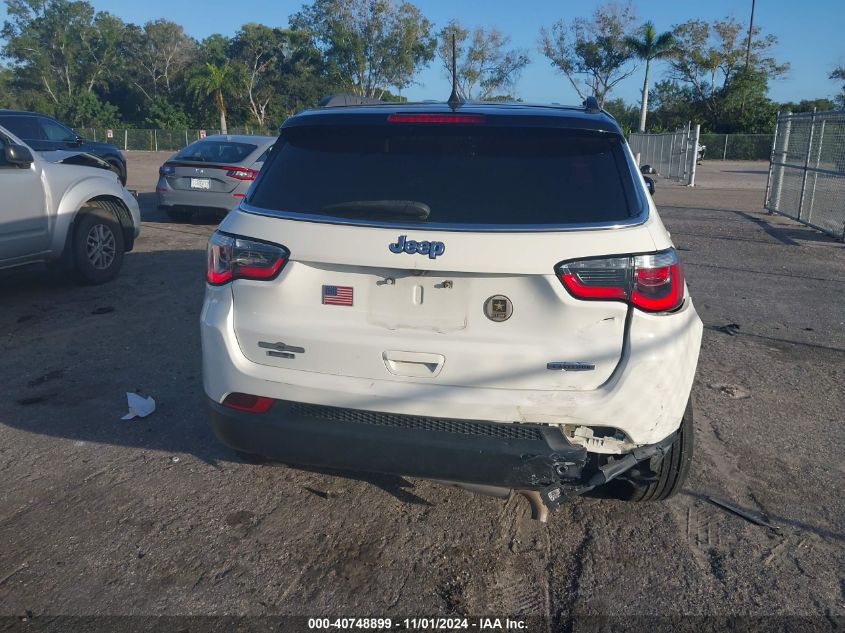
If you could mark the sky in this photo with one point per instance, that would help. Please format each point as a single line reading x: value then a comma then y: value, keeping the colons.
x: 811, y: 35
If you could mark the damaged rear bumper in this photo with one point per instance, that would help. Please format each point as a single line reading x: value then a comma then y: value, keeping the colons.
x: 527, y: 457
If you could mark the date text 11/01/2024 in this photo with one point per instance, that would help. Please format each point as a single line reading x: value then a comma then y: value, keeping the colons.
x: 418, y: 624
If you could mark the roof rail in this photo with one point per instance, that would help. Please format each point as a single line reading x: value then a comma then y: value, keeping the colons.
x: 332, y: 101
x: 591, y: 105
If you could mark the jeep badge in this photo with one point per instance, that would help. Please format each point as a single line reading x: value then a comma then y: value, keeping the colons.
x: 404, y: 245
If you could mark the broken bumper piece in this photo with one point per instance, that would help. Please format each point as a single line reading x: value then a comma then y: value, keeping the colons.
x: 534, y: 459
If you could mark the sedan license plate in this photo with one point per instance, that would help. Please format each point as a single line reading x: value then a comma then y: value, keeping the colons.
x: 200, y: 183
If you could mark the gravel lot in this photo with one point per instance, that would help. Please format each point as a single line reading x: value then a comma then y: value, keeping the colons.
x: 154, y: 517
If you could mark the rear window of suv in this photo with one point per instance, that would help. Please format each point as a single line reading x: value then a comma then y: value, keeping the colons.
x: 465, y: 175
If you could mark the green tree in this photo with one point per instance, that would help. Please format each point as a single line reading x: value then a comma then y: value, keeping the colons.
x: 163, y: 113
x: 214, y: 81
x: 839, y: 73
x: 648, y: 47
x: 627, y: 116
x: 63, y: 46
x: 710, y: 60
x: 485, y: 66
x: 258, y: 49
x: 370, y: 45
x: 7, y: 93
x: 672, y: 105
x: 86, y: 110
x: 160, y: 52
x: 593, y: 51
x: 808, y: 105
x: 301, y: 76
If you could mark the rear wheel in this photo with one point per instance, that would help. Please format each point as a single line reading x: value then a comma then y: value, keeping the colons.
x: 671, y: 471
x: 97, y: 244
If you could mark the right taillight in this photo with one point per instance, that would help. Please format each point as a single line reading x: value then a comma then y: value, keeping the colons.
x: 231, y: 257
x: 653, y: 282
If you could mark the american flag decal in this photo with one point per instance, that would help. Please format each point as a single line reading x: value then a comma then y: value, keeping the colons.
x: 337, y: 295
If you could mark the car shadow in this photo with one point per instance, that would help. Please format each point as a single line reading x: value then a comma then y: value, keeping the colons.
x: 70, y: 353
x: 150, y: 212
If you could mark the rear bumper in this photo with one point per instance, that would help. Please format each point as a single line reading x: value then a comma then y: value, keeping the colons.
x: 644, y: 398
x: 524, y: 456
x: 196, y: 200
x: 528, y: 457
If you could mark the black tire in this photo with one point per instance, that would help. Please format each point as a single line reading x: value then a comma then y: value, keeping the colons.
x: 180, y: 215
x: 671, y: 470
x: 117, y: 168
x: 97, y: 246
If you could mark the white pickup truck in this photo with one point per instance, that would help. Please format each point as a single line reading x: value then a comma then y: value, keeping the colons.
x: 61, y: 209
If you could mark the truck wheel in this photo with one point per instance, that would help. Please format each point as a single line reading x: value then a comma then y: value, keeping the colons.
x: 671, y: 470
x: 97, y: 244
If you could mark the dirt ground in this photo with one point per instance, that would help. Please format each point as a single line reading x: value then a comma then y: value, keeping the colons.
x: 154, y: 517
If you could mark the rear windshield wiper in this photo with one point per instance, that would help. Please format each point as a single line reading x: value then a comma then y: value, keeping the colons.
x: 380, y: 209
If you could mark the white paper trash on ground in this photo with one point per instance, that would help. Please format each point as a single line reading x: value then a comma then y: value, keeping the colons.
x: 139, y: 406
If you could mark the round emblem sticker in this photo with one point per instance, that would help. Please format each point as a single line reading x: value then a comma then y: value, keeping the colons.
x: 498, y: 308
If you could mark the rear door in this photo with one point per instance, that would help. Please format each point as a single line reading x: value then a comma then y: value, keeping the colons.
x: 466, y: 296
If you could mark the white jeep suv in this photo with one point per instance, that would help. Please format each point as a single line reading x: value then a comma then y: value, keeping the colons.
x: 482, y: 295
x: 66, y: 208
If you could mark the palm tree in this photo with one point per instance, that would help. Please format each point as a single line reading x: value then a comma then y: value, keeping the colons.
x: 648, y: 47
x: 214, y: 81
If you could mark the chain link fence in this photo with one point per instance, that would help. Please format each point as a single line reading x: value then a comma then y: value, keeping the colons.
x: 160, y: 140
x: 737, y: 146
x: 672, y: 154
x: 807, y: 170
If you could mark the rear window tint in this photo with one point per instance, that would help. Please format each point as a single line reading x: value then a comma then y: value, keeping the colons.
x: 464, y: 175
x: 216, y: 151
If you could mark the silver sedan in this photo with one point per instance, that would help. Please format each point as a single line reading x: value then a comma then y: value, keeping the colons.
x: 213, y: 174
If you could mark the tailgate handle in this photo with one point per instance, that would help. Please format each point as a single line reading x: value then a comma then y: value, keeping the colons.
x: 413, y: 364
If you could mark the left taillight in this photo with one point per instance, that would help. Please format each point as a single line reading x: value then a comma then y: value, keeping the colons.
x: 166, y: 170
x: 653, y: 282
x: 231, y: 257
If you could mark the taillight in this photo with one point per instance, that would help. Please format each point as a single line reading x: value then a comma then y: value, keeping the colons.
x: 166, y: 170
x: 231, y: 257
x: 652, y: 282
x: 241, y: 173
x: 248, y: 402
x: 436, y: 118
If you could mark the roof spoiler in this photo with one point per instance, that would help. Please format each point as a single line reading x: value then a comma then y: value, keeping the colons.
x: 333, y: 101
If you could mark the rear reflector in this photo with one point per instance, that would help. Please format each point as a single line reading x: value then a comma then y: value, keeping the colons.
x: 652, y: 282
x: 231, y: 257
x: 436, y: 118
x: 248, y: 402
